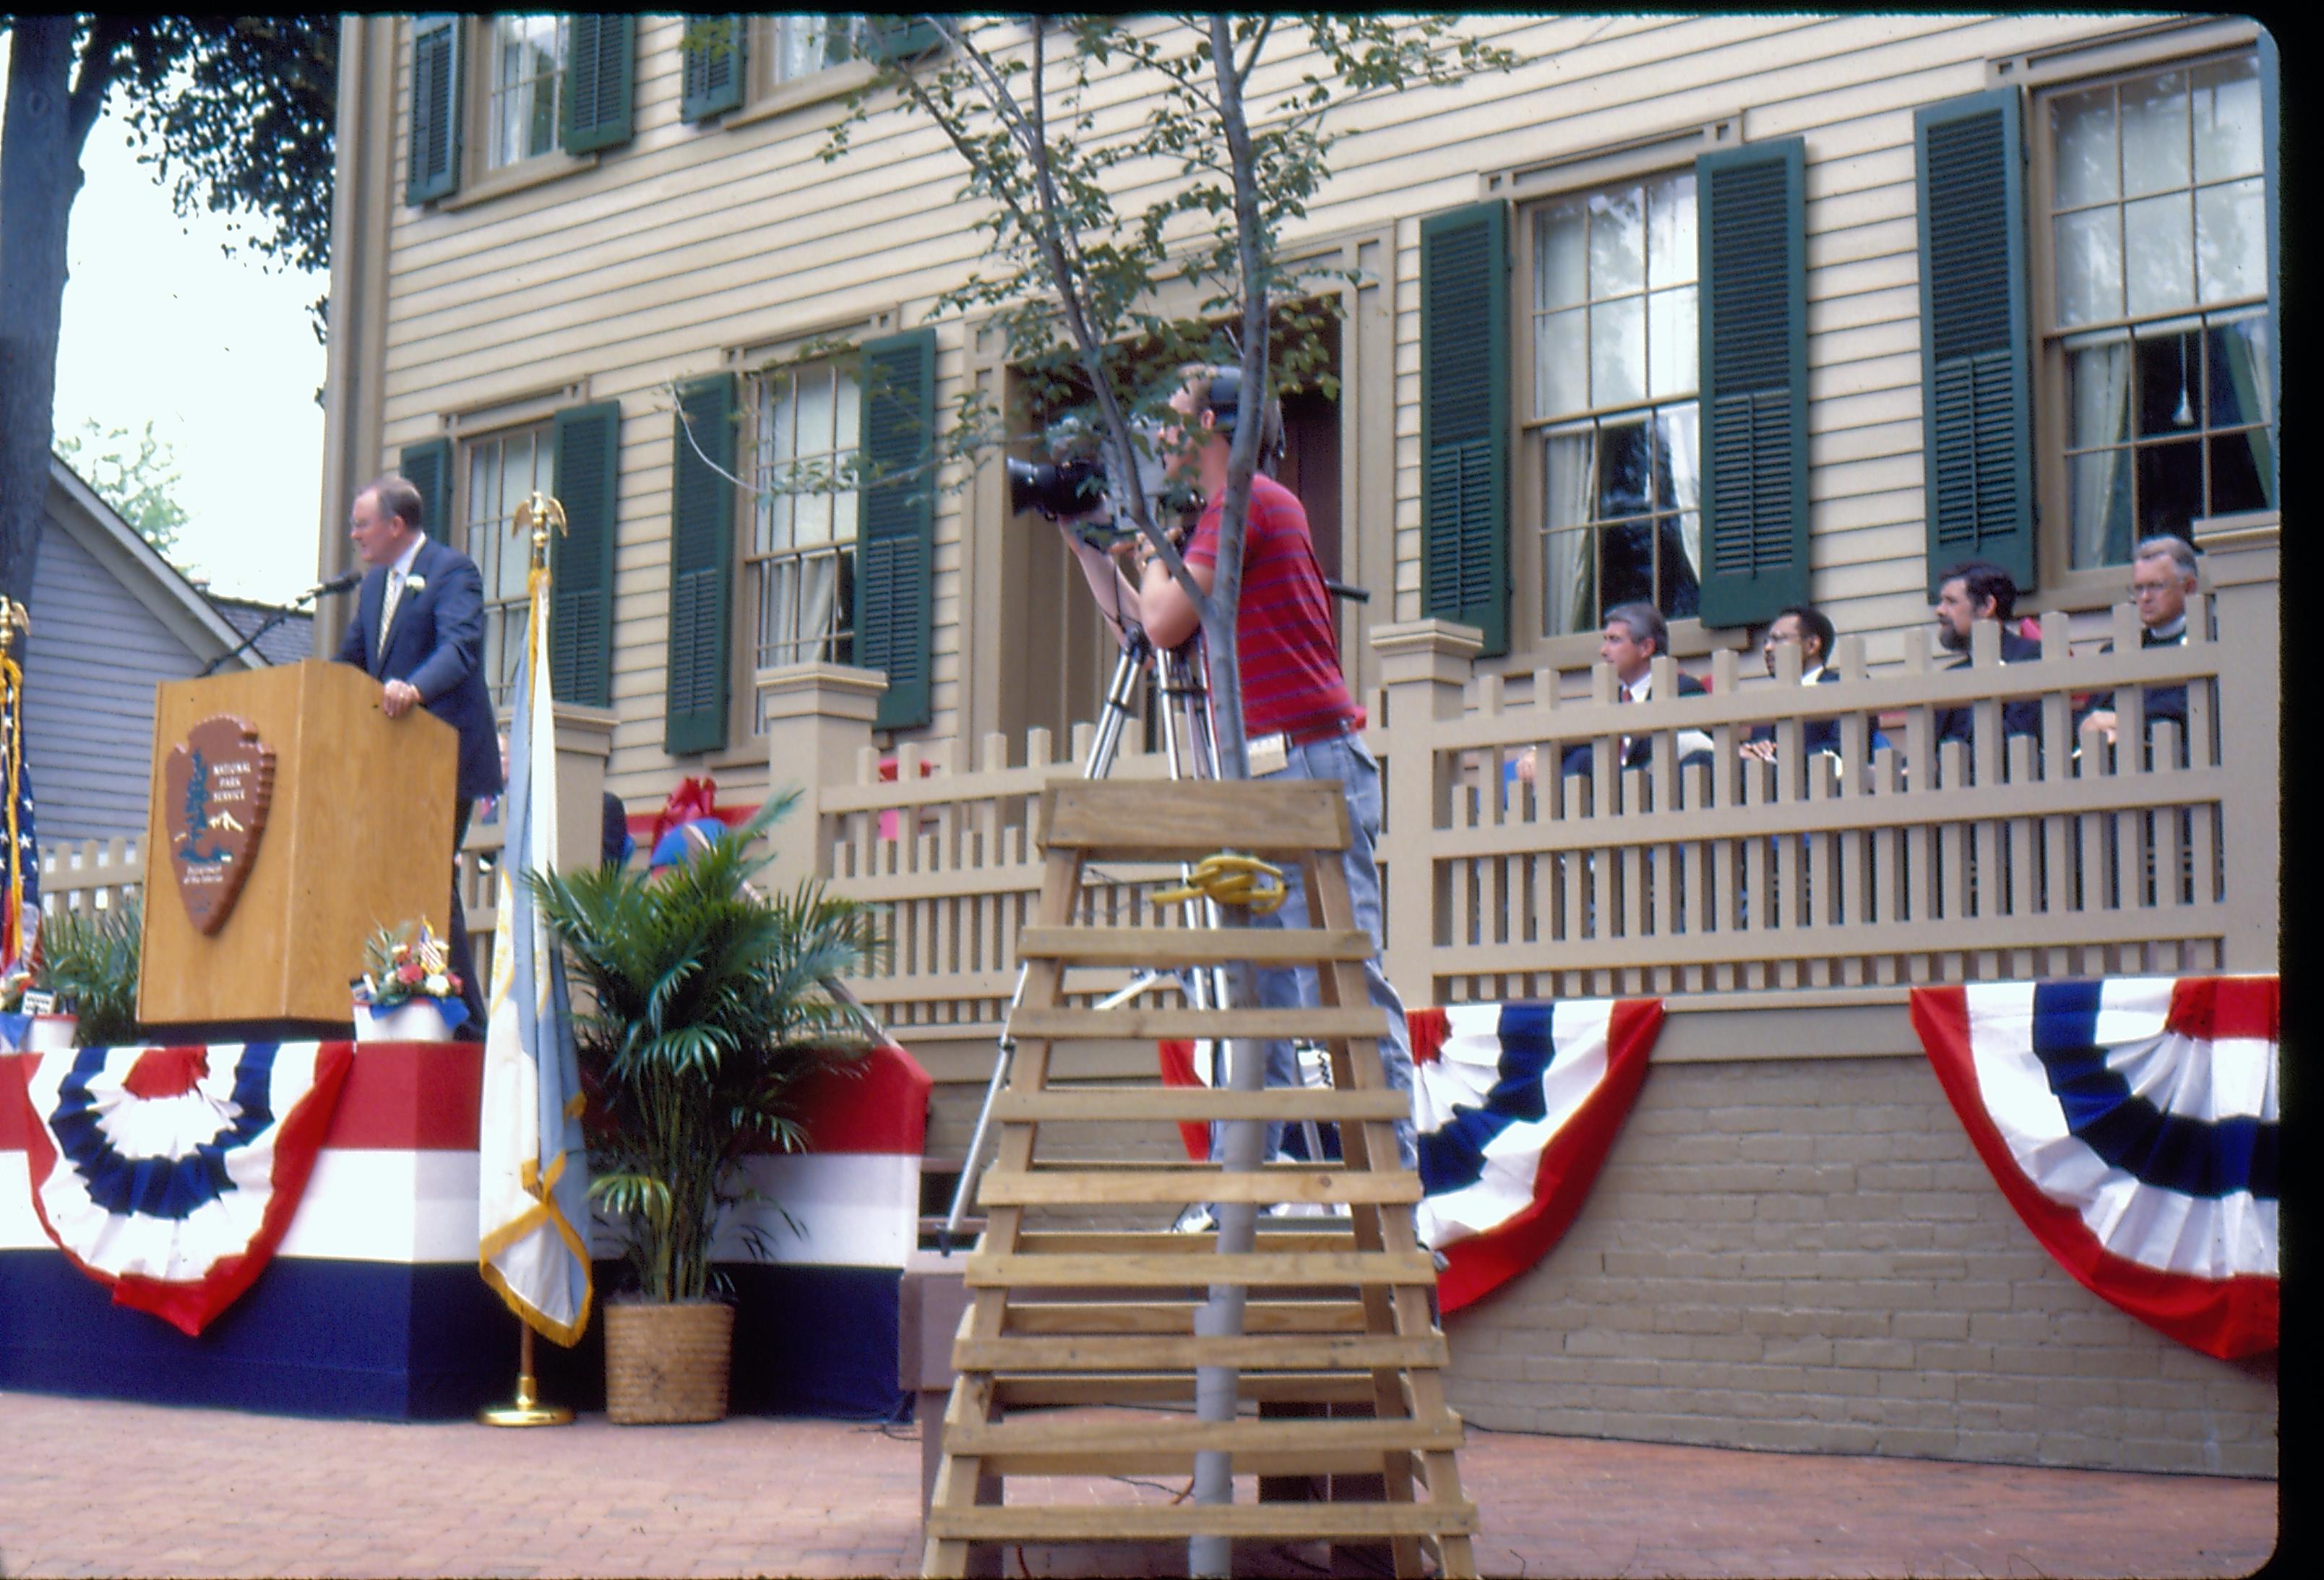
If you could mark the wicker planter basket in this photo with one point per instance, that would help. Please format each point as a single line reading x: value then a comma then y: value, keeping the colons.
x: 666, y: 1362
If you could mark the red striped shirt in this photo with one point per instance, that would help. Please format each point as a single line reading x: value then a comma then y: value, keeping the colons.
x: 1290, y: 655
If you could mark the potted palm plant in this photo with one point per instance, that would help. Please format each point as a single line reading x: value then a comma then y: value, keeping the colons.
x: 89, y: 961
x: 705, y: 1006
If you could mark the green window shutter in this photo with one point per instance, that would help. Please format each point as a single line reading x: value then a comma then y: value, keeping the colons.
x: 701, y: 555
x: 1976, y: 400
x: 1751, y: 230
x: 600, y: 64
x: 1464, y: 420
x: 889, y: 39
x: 428, y: 466
x: 433, y: 167
x: 714, y: 54
x: 2271, y: 131
x: 581, y: 562
x: 895, y: 550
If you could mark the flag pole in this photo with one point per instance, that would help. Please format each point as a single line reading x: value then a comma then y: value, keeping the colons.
x: 536, y: 516
x: 527, y: 1410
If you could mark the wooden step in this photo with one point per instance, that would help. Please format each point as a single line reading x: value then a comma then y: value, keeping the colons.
x: 1126, y: 1317
x: 1024, y: 1390
x: 1155, y: 1352
x: 1186, y: 819
x: 990, y: 1271
x: 1161, y: 949
x: 1289, y: 1104
x: 1130, y: 1187
x: 1057, y: 1024
x: 1145, y: 1431
x: 1316, y: 1234
x: 1161, y: 1522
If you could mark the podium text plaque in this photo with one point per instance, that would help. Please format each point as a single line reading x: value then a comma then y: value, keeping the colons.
x: 358, y: 836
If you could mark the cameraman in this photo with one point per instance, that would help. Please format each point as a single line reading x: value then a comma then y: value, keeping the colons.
x: 1296, y: 708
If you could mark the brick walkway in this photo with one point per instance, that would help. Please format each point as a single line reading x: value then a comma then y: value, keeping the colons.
x: 94, y: 1487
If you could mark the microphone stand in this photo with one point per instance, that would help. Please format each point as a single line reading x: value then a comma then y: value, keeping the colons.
x: 279, y: 616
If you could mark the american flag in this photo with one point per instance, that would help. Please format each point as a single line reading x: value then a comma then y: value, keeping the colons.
x: 20, y: 925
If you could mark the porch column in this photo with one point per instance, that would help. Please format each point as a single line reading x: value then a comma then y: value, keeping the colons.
x: 1424, y: 667
x: 818, y: 717
x: 2243, y: 570
x: 584, y: 739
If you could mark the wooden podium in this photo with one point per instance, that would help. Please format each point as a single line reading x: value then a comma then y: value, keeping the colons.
x: 357, y: 834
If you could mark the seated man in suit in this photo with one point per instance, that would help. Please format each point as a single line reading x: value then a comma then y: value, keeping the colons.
x: 1968, y: 593
x: 2162, y: 579
x: 1633, y: 634
x: 1812, y: 632
x: 419, y: 629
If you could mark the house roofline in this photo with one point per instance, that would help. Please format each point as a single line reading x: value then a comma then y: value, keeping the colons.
x: 161, y: 588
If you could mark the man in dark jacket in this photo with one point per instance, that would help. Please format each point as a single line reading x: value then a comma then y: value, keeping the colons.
x: 2162, y: 579
x: 1968, y: 593
x: 420, y: 630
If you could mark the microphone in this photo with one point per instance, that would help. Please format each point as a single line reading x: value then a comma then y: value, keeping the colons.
x: 339, y: 584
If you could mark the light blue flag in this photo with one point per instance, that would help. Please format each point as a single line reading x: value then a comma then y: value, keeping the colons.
x: 533, y: 1185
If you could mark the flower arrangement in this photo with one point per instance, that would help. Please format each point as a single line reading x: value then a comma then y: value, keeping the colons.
x: 402, y: 967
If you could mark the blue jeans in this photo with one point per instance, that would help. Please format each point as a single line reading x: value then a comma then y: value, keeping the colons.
x: 1346, y: 759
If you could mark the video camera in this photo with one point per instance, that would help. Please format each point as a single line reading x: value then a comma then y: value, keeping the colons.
x: 1075, y: 482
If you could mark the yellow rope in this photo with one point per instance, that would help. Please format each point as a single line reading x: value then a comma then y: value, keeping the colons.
x: 1231, y: 880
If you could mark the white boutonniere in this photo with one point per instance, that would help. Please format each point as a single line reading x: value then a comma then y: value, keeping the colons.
x: 415, y: 584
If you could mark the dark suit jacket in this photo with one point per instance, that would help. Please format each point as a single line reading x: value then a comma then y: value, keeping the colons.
x: 1642, y: 745
x: 437, y: 645
x: 2017, y: 718
x: 2161, y: 701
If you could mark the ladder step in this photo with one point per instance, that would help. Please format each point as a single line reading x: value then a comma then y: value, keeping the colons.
x: 1054, y: 1024
x: 1289, y: 1104
x: 1144, y: 1432
x: 1159, y: 1523
x: 1113, y: 1317
x: 991, y: 1270
x: 1277, y: 1183
x: 1160, y: 948
x: 1059, y: 1241
x: 1174, y: 819
x: 1023, y: 1389
x: 1147, y: 1353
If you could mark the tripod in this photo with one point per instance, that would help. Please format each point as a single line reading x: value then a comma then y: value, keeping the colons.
x: 1185, y: 693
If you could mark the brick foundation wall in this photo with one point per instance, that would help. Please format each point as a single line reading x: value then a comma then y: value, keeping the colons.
x: 1808, y: 1254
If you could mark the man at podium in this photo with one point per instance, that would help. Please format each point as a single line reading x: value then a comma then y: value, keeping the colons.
x: 419, y: 629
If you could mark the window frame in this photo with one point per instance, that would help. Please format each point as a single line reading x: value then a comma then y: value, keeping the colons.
x: 1530, y: 191
x: 746, y: 742
x: 763, y: 98
x: 479, y: 180
x: 2038, y: 79
x: 465, y: 439
x: 748, y: 561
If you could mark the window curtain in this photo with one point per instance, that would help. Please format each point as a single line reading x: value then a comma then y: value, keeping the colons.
x: 1569, y: 556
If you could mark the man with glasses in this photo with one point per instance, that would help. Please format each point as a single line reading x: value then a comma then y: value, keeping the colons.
x: 2162, y: 579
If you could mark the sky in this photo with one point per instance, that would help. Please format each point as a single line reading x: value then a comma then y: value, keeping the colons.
x: 217, y: 351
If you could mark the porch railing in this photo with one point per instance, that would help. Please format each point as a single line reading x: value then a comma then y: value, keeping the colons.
x: 1896, y: 860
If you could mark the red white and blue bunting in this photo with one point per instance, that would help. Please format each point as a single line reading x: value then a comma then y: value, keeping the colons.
x: 1516, y: 1106
x: 2132, y: 1124
x: 171, y: 1173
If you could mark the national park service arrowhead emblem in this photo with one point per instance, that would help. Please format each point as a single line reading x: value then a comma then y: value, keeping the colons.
x: 218, y: 781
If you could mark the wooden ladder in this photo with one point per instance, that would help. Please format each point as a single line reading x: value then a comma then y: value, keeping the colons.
x: 1339, y: 1318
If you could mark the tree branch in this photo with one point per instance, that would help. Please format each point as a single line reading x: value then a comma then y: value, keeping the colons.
x: 95, y: 78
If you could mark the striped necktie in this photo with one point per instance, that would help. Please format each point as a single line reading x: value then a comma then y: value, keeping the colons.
x: 387, y: 607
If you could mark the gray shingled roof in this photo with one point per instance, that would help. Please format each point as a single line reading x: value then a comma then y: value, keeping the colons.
x: 287, y: 643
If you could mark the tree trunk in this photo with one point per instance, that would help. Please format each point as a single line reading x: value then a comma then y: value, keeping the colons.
x: 40, y: 176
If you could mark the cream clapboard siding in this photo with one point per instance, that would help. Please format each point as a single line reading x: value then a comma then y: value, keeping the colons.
x: 689, y: 244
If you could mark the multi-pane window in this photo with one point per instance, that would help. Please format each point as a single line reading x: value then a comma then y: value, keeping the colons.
x: 801, y: 563
x: 796, y: 46
x: 1614, y: 412
x: 504, y: 471
x: 2160, y: 313
x: 527, y: 73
